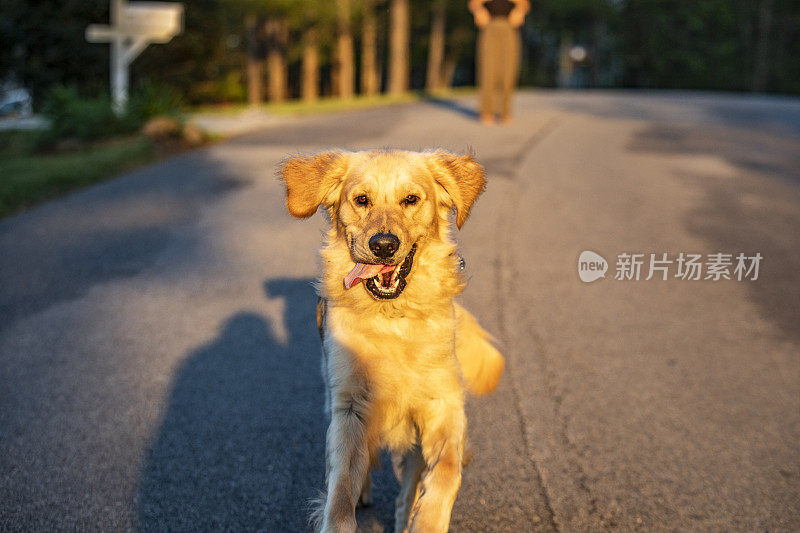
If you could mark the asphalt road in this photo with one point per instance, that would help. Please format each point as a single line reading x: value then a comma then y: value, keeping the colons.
x: 159, y: 358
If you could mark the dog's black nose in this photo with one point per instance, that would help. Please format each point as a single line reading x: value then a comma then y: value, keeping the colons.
x: 384, y: 245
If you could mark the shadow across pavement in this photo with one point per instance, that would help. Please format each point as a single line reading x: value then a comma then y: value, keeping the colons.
x: 242, y: 442
x: 751, y: 208
x: 452, y: 105
x: 241, y: 445
x: 113, y: 230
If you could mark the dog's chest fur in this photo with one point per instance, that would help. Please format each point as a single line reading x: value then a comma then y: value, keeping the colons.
x: 397, y: 363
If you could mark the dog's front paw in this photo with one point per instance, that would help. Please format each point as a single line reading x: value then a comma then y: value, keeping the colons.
x: 347, y: 526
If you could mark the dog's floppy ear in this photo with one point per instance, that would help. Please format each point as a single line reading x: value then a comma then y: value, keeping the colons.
x: 461, y: 177
x: 312, y: 181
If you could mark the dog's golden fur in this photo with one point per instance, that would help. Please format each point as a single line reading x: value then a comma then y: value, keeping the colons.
x: 395, y: 369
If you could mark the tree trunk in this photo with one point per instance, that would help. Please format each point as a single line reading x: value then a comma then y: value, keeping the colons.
x: 449, y: 71
x: 398, y: 47
x: 345, y: 75
x: 761, y: 67
x: 594, y: 52
x: 277, y: 32
x: 310, y: 81
x: 565, y: 64
x: 370, y: 80
x: 435, y: 74
x: 254, y: 60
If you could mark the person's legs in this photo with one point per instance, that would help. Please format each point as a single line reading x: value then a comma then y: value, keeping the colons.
x: 510, y: 71
x: 484, y: 75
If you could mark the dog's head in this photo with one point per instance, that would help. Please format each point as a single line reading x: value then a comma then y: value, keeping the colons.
x: 383, y: 204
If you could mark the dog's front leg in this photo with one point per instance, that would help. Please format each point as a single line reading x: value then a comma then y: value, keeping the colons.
x: 348, y: 464
x: 442, y: 439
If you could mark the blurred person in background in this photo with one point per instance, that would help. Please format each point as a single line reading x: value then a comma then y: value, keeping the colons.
x: 498, y: 54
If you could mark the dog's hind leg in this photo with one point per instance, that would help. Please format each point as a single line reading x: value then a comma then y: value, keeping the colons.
x: 408, y: 468
x: 365, y: 499
x: 322, y: 310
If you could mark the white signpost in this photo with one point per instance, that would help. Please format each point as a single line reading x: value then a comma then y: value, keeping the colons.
x: 133, y: 27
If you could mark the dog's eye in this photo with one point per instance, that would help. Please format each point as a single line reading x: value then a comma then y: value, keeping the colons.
x: 411, y: 199
x: 362, y: 200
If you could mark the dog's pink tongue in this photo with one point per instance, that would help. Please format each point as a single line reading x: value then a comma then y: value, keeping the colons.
x: 364, y: 271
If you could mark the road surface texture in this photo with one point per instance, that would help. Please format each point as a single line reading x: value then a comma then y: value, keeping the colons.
x: 159, y: 358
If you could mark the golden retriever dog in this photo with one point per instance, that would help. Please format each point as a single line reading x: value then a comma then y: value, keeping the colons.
x: 398, y: 352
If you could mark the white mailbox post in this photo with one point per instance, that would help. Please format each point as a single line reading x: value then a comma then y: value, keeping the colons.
x: 133, y: 27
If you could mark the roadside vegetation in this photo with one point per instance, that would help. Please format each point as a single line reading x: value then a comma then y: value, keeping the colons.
x: 321, y: 105
x: 28, y: 176
x: 87, y: 142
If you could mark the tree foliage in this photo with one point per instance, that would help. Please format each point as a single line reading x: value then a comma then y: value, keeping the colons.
x: 711, y: 44
x: 42, y: 44
x: 685, y: 44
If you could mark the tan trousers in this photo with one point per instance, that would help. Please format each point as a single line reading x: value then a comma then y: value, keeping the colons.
x: 498, y: 66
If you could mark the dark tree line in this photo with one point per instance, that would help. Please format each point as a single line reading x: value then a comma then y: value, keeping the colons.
x: 713, y: 44
x: 238, y: 50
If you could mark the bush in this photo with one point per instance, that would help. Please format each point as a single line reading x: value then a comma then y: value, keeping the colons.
x: 90, y: 119
x: 153, y: 100
x: 85, y: 119
x: 228, y: 88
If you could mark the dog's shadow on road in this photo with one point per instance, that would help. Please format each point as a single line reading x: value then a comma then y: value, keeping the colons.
x: 242, y: 441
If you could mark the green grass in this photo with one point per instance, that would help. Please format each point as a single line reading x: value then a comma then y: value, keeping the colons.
x: 299, y: 108
x: 27, y: 177
x: 329, y: 105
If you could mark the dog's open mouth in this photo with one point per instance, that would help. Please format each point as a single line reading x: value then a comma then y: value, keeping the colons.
x: 382, y: 281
